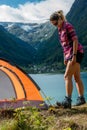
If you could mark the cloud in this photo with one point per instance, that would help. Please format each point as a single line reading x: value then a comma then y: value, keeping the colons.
x: 31, y: 12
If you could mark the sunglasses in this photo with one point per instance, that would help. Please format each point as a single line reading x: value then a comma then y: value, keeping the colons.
x: 55, y: 23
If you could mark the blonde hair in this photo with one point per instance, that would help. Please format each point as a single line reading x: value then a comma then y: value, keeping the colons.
x: 56, y: 15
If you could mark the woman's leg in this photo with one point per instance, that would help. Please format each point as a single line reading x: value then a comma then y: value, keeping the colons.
x: 70, y: 71
x: 79, y: 84
x: 68, y: 78
x: 68, y: 84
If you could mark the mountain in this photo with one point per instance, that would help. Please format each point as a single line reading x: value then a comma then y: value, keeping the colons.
x: 51, y: 52
x: 78, y: 17
x: 14, y: 49
x: 32, y: 33
x: 43, y: 38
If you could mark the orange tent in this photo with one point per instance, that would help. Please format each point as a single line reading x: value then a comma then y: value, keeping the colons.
x: 16, y: 87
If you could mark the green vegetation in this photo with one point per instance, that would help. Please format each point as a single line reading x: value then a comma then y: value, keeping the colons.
x: 14, y: 49
x: 30, y: 118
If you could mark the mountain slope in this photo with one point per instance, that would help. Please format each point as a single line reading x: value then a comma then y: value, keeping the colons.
x: 44, y: 37
x: 78, y: 17
x: 32, y: 33
x: 14, y: 49
x: 51, y: 51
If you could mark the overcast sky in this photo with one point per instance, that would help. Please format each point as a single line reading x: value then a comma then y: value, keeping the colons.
x: 32, y: 12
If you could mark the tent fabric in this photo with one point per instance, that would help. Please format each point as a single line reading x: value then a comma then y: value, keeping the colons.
x: 16, y: 84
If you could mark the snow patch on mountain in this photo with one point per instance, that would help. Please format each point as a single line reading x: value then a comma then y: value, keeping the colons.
x: 26, y: 27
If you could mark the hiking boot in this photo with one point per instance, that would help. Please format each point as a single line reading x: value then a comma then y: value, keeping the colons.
x: 66, y: 103
x: 80, y: 101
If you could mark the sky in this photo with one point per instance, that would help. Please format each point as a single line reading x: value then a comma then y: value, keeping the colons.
x: 27, y: 11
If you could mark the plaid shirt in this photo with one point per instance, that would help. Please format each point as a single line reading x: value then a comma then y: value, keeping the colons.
x: 67, y: 35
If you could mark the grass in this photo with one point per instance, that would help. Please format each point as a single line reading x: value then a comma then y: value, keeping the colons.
x: 31, y: 118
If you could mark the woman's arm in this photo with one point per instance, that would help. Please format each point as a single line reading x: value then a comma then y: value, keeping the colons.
x: 75, y: 46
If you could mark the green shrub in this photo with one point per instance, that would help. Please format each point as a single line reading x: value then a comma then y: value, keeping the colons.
x: 9, y: 125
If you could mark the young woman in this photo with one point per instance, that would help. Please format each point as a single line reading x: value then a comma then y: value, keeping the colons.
x: 73, y: 55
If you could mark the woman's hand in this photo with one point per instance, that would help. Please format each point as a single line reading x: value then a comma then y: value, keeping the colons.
x: 73, y: 61
x: 65, y: 62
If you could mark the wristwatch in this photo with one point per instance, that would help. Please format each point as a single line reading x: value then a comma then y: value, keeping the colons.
x: 74, y: 54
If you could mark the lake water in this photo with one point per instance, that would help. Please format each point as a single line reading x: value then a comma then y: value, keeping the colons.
x: 53, y: 86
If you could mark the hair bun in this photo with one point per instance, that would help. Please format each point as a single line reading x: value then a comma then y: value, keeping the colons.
x: 60, y: 12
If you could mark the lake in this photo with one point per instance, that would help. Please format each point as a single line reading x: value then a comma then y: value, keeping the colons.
x: 53, y: 86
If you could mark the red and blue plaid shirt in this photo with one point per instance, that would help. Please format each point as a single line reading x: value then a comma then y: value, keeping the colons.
x: 67, y: 35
